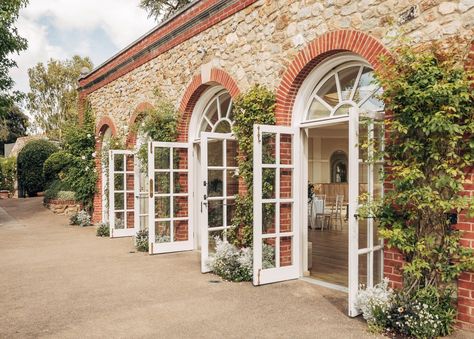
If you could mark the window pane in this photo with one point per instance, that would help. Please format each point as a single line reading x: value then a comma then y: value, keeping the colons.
x: 118, y: 162
x: 286, y: 258
x: 232, y: 153
x: 328, y: 92
x: 224, y: 100
x: 347, y: 78
x: 180, y: 230
x: 162, y: 158
x: 366, y: 85
x: 268, y: 253
x: 215, y: 152
x: 268, y: 148
x: 215, y: 213
x: 215, y: 183
x: 317, y: 110
x: 162, y: 231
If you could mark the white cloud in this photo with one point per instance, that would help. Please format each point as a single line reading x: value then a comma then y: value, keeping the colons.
x: 122, y: 21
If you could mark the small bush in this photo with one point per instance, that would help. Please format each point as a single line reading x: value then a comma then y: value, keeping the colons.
x: 8, y: 174
x: 103, y: 230
x: 56, y: 165
x: 81, y: 218
x: 141, y: 240
x: 230, y: 263
x: 30, y: 165
x: 54, y: 189
x: 66, y: 195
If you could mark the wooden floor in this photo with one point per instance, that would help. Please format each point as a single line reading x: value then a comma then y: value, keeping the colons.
x: 330, y: 255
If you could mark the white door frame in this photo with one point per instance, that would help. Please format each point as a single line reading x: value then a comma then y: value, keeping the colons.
x: 203, y: 192
x: 171, y: 245
x: 121, y: 232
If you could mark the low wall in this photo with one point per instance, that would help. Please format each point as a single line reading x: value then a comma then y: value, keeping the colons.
x: 63, y: 207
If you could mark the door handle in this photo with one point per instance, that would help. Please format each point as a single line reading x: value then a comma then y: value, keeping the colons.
x: 151, y: 188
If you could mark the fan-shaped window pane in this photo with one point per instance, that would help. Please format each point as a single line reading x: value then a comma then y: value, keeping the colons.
x: 318, y: 110
x: 347, y: 79
x: 223, y: 127
x: 217, y: 115
x: 373, y: 103
x: 344, y: 109
x: 328, y: 92
x: 366, y: 85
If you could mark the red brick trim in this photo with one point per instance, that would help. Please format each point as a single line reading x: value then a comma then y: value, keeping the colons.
x: 137, y: 115
x: 316, y: 51
x: 193, y: 93
x: 143, y: 51
x: 102, y: 125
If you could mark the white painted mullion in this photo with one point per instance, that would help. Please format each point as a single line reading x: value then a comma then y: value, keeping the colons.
x: 323, y: 102
x: 257, y: 205
x: 224, y: 186
x: 277, y: 198
x: 171, y: 188
x: 338, y: 86
x: 356, y: 83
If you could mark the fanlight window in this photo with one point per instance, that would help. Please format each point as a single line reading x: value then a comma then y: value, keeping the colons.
x: 349, y: 85
x: 218, y: 114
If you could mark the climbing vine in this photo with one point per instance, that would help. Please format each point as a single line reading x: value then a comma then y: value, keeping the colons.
x: 256, y: 106
x: 429, y: 149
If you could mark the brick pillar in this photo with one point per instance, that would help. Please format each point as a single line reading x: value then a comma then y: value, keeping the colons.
x: 97, y: 204
x: 466, y: 280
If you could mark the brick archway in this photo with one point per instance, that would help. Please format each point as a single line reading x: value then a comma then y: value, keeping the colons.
x: 194, y: 91
x: 316, y: 51
x: 103, y: 124
x: 137, y: 115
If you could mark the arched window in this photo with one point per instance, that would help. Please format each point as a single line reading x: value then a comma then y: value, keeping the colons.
x: 338, y: 167
x: 348, y: 85
x: 217, y: 115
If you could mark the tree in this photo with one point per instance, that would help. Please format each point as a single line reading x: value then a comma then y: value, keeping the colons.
x: 10, y: 42
x: 13, y: 126
x: 163, y: 9
x: 53, y: 98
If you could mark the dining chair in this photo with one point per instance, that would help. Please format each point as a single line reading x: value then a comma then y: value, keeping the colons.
x: 336, y: 211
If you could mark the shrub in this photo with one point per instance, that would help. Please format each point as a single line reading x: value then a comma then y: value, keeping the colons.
x: 81, y: 218
x: 30, y: 165
x: 103, y: 230
x: 53, y: 190
x: 374, y: 302
x: 141, y: 240
x: 8, y: 174
x: 66, y: 195
x: 56, y: 165
x: 234, y: 264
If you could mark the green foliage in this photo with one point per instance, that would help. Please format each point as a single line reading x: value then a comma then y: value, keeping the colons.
x: 8, y: 174
x: 257, y: 106
x: 158, y: 124
x: 30, y: 165
x: 13, y: 126
x: 81, y: 218
x: 54, y: 189
x: 103, y: 230
x: 141, y: 240
x: 53, y: 97
x: 10, y: 43
x: 162, y: 9
x: 81, y: 174
x: 429, y: 149
x: 56, y: 166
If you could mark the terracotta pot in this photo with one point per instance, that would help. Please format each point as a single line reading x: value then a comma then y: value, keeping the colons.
x: 4, y: 194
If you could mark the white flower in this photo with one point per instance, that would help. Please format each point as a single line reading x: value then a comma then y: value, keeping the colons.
x: 89, y: 135
x: 87, y: 168
x: 94, y: 154
x: 83, y: 157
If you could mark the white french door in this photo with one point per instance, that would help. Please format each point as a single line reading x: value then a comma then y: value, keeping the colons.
x: 219, y: 187
x: 170, y: 224
x: 141, y: 195
x: 121, y: 193
x: 276, y: 237
x: 365, y: 184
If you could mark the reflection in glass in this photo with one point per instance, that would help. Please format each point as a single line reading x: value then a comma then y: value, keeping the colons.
x: 215, y: 152
x: 162, y: 232
x: 118, y: 162
x: 268, y: 253
x: 215, y: 213
x: 162, y: 207
x: 268, y: 148
x: 162, y: 158
x: 268, y: 218
x: 215, y: 183
x: 118, y: 182
x: 162, y: 182
x: 119, y: 201
x: 119, y: 222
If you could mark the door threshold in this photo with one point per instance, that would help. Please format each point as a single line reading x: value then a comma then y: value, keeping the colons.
x: 325, y: 284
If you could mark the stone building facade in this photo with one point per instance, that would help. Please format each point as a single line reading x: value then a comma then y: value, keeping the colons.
x: 276, y: 43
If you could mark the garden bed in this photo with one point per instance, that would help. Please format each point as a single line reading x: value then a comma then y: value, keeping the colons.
x: 63, y: 207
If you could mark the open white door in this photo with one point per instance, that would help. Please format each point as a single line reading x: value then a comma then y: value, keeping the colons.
x: 121, y: 193
x: 220, y: 185
x: 141, y: 195
x: 365, y: 184
x: 276, y: 240
x: 170, y: 227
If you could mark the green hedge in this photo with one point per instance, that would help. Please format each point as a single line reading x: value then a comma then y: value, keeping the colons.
x: 56, y: 166
x: 8, y: 174
x: 30, y: 166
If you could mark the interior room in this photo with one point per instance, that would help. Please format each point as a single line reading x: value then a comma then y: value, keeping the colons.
x: 327, y: 203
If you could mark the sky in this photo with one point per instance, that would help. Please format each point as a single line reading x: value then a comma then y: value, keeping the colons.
x: 59, y: 29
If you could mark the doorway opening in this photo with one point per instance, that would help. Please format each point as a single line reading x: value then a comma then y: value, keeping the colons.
x: 327, y: 203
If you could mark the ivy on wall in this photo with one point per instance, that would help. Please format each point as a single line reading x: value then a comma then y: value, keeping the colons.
x: 429, y: 149
x: 256, y: 106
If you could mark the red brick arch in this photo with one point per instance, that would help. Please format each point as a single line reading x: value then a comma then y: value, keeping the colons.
x: 104, y: 123
x: 193, y: 93
x: 137, y: 115
x: 316, y: 51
